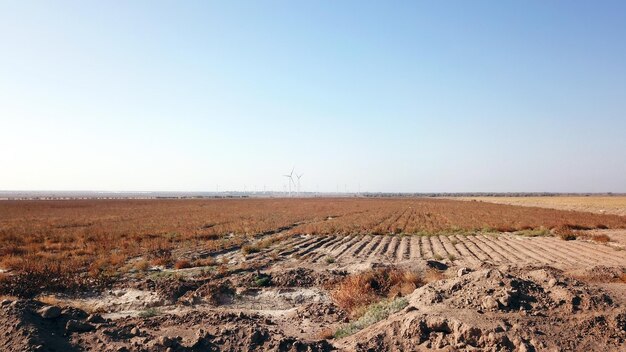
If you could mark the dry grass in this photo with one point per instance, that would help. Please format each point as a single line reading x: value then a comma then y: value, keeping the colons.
x: 182, y: 264
x: 565, y: 233
x: 433, y: 275
x: 358, y: 291
x: 596, y: 204
x: 90, y: 240
x: 55, y: 301
x: 601, y: 238
x: 325, y: 334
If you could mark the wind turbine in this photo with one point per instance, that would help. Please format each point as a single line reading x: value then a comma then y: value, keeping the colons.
x: 290, y: 177
x: 298, y: 176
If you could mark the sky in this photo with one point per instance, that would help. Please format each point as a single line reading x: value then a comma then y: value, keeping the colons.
x: 380, y: 96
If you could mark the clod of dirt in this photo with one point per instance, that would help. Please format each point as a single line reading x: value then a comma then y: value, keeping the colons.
x: 172, y: 289
x: 23, y: 328
x: 463, y: 271
x: 78, y: 326
x: 95, y: 319
x: 50, y: 312
x: 216, y: 293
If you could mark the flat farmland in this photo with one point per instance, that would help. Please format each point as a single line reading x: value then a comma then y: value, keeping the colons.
x: 99, y: 235
x: 594, y: 204
x: 307, y: 274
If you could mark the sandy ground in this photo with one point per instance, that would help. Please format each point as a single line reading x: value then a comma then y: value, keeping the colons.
x: 600, y: 205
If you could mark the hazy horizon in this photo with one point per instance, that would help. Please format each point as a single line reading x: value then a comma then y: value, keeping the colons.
x: 197, y: 96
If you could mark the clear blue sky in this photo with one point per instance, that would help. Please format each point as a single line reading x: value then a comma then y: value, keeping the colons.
x: 394, y: 96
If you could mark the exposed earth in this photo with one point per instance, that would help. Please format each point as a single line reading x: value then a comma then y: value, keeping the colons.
x: 501, y: 292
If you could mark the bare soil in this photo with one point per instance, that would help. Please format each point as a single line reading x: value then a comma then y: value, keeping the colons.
x: 497, y: 292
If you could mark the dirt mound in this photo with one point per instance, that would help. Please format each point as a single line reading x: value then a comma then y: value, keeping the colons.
x: 601, y: 273
x: 202, y: 331
x: 32, y: 326
x: 302, y: 277
x: 321, y: 313
x: 501, y: 309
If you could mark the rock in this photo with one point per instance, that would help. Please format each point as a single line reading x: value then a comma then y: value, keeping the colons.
x: 78, y: 326
x: 256, y: 337
x: 493, y: 274
x: 463, y: 271
x: 523, y: 347
x: 165, y: 341
x: 489, y: 303
x: 436, y: 265
x: 50, y: 312
x: 135, y: 331
x: 506, y: 298
x: 553, y: 282
x: 5, y: 302
x: 95, y: 318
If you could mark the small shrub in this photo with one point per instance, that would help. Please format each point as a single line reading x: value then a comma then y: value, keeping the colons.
x: 565, y: 233
x: 533, y: 232
x: 602, y: 238
x: 358, y: 291
x: 160, y: 261
x: 222, y: 269
x: 373, y: 314
x: 148, y: 313
x: 575, y: 227
x: 437, y: 257
x: 210, y: 261
x: 263, y: 280
x: 325, y: 334
x: 451, y: 257
x: 249, y: 248
x: 142, y: 265
x: 329, y: 260
x: 182, y: 264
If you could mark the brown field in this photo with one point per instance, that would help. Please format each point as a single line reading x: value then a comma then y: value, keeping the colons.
x: 101, y: 235
x: 594, y: 204
x: 309, y: 274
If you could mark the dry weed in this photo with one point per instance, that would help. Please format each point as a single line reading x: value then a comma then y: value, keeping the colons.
x: 358, y: 291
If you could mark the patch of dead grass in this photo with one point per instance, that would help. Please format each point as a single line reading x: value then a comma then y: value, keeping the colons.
x: 601, y: 238
x: 358, y: 291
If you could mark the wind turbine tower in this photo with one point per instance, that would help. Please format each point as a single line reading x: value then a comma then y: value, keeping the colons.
x: 290, y: 177
x: 298, y: 176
